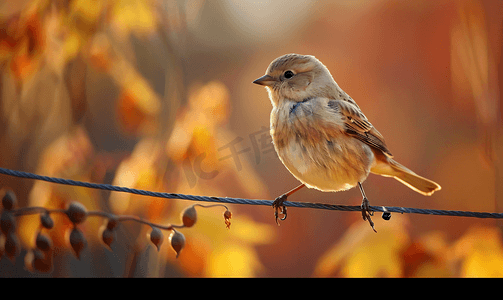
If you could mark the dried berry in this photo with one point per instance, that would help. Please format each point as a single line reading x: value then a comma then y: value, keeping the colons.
x: 108, y: 236
x: 43, y: 264
x: 2, y: 245
x: 76, y: 212
x: 28, y: 260
x: 156, y: 237
x: 189, y: 216
x: 7, y: 222
x: 177, y: 241
x: 227, y: 218
x: 46, y: 221
x: 12, y: 247
x: 77, y: 241
x: 113, y: 221
x: 9, y: 200
x: 43, y: 242
x: 36, y: 260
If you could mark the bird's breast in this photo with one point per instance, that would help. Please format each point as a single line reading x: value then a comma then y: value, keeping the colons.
x: 314, y: 148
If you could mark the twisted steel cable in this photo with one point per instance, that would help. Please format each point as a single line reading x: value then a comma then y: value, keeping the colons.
x: 384, y: 209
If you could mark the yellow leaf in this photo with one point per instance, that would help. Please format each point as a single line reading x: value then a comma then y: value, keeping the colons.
x: 363, y: 253
x: 252, y: 232
x: 135, y: 16
x: 481, y: 251
x: 72, y: 45
x: 233, y: 260
x: 86, y: 11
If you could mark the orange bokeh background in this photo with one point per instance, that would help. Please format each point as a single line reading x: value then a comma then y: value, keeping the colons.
x: 157, y: 95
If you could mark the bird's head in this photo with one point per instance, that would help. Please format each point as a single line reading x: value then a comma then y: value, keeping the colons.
x: 295, y: 77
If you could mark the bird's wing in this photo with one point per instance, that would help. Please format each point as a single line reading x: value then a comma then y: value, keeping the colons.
x: 357, y: 125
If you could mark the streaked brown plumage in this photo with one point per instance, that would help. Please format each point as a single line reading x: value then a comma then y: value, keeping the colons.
x: 322, y: 136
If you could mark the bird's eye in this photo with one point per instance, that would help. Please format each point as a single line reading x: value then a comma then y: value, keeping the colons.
x: 288, y: 74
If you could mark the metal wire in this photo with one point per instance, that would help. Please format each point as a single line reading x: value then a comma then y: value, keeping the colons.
x: 384, y: 209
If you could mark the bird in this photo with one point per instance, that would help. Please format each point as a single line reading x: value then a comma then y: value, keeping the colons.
x: 322, y: 136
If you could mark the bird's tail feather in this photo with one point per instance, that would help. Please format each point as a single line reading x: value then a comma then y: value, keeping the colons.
x: 407, y: 177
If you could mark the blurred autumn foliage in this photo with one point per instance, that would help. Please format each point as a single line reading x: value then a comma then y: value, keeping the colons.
x: 157, y: 95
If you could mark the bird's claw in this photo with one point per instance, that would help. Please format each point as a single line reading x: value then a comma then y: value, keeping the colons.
x: 279, y: 208
x: 367, y: 212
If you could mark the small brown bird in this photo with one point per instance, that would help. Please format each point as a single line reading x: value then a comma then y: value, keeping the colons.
x: 322, y: 136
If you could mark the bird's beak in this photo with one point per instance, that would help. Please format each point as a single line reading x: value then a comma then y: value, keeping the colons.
x: 265, y: 80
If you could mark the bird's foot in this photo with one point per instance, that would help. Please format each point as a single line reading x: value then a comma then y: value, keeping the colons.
x: 279, y: 208
x: 367, y: 212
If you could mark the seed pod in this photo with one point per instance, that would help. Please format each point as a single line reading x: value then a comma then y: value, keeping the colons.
x: 107, y: 236
x: 7, y: 222
x: 177, y: 241
x: 36, y: 260
x: 12, y: 248
x: 112, y: 222
x: 156, y: 237
x: 28, y: 260
x: 77, y: 241
x: 42, y: 264
x: 2, y: 245
x: 189, y: 216
x: 227, y: 218
x: 43, y: 242
x: 32, y: 256
x: 9, y: 200
x: 76, y: 212
x: 46, y: 221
